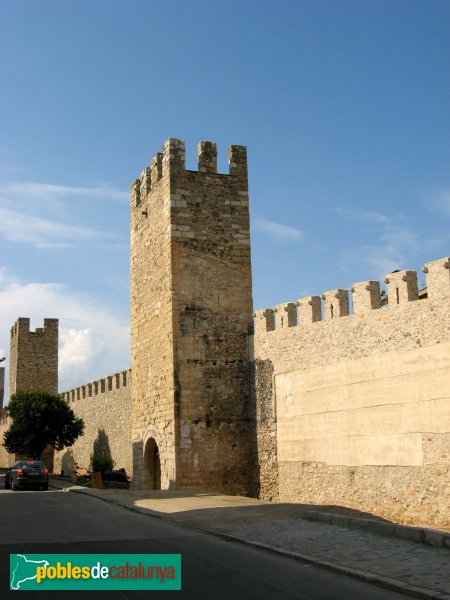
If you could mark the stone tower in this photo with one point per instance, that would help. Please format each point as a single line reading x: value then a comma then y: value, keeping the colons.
x: 33, y: 356
x: 2, y: 386
x: 191, y: 314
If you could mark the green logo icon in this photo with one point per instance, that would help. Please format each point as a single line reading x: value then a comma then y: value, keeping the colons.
x: 95, y: 572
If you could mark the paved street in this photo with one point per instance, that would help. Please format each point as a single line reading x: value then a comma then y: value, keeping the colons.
x: 61, y: 522
x: 394, y: 561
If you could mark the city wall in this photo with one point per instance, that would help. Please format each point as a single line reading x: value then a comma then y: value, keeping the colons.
x: 105, y: 407
x: 6, y: 459
x: 339, y: 399
x: 2, y: 387
x: 354, y: 408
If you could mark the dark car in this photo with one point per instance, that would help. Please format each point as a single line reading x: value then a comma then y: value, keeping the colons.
x: 27, y: 474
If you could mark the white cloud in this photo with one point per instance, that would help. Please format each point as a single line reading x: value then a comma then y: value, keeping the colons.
x: 79, y: 347
x: 282, y: 232
x: 94, y: 339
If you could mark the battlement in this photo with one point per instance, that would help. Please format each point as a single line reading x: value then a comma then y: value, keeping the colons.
x: 171, y: 161
x: 33, y: 356
x: 402, y: 288
x: 22, y: 326
x: 113, y: 382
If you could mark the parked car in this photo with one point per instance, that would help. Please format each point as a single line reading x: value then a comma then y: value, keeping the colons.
x: 27, y: 474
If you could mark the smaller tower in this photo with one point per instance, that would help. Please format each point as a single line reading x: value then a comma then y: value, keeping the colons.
x: 33, y: 356
x: 2, y: 387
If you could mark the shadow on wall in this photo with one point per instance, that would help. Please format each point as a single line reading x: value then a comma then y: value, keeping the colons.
x: 68, y: 466
x: 101, y: 457
x: 48, y: 458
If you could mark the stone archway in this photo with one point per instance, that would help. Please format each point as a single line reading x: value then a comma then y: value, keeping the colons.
x: 152, y: 466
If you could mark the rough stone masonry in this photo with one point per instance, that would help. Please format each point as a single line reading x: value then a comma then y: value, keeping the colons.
x: 191, y: 315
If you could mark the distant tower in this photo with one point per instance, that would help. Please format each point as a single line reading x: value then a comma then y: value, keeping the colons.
x: 191, y: 313
x: 2, y: 387
x: 33, y: 356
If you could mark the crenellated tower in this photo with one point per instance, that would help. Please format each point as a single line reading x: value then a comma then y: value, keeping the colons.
x: 191, y: 313
x: 33, y: 356
x: 2, y: 387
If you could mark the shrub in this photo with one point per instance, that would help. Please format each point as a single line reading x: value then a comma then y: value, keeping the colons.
x: 102, y: 461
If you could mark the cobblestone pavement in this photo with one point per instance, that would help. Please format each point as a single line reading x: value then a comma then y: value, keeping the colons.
x: 414, y: 568
x: 398, y: 559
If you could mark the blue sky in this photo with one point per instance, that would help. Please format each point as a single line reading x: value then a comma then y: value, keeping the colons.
x: 343, y: 106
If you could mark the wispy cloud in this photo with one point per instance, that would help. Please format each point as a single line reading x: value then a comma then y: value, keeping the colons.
x: 277, y: 230
x: 45, y: 190
x: 42, y: 215
x: 44, y: 233
x: 364, y: 216
x: 397, y: 242
x: 8, y: 171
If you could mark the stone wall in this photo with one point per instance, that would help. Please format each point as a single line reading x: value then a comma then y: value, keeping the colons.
x: 152, y: 338
x: 191, y: 314
x: 105, y: 407
x: 33, y: 356
x: 361, y: 400
x: 2, y: 387
x: 264, y: 431
x: 6, y: 459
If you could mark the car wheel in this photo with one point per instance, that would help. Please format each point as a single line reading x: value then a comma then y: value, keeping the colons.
x: 7, y: 484
x: 14, y: 487
x: 45, y: 487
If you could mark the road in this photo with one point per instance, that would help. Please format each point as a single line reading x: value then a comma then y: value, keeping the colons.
x: 60, y: 522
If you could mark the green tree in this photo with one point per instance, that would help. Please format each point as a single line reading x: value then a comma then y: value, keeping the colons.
x: 39, y: 419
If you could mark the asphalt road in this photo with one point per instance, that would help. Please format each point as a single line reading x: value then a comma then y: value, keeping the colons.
x: 37, y: 522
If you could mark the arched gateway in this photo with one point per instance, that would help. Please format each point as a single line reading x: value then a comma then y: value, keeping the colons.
x: 152, y: 466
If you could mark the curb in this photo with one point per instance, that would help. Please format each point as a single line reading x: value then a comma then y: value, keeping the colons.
x: 378, y: 580
x: 420, y: 535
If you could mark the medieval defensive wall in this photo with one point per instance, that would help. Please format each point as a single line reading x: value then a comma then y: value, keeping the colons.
x: 340, y: 398
x: 356, y: 407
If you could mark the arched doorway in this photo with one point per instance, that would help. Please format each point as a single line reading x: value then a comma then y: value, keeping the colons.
x: 152, y: 465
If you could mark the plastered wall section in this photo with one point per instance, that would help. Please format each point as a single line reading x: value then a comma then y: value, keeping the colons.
x: 361, y: 402
x: 105, y: 407
x: 372, y: 411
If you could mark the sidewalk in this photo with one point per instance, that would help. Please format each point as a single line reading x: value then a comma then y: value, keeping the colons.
x: 325, y: 536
